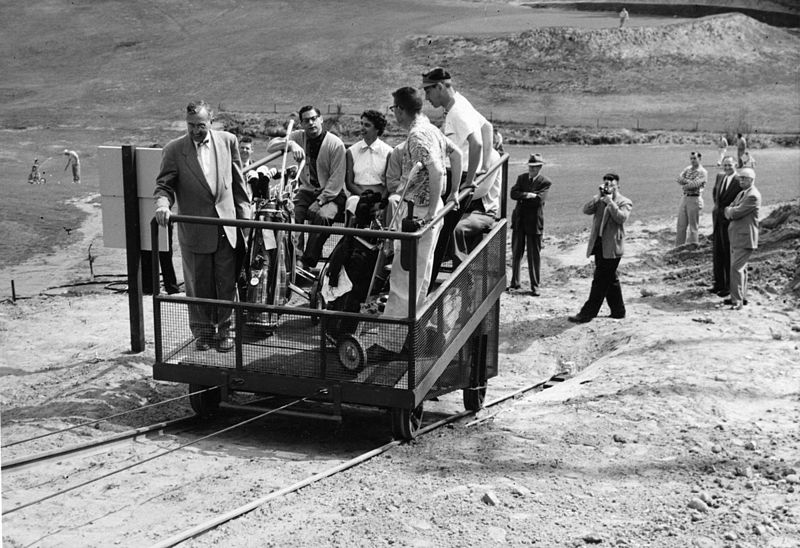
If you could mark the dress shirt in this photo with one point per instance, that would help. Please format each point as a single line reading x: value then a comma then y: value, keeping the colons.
x: 206, y: 157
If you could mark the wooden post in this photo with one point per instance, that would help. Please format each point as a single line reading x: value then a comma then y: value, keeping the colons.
x: 13, y: 292
x: 133, y: 247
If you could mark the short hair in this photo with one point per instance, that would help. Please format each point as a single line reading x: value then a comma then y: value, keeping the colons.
x: 726, y: 158
x: 408, y: 99
x: 246, y: 139
x: 306, y: 108
x: 698, y: 154
x: 194, y: 107
x: 377, y: 118
x: 612, y: 176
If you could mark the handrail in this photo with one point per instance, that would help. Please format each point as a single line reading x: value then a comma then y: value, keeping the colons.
x: 345, y: 231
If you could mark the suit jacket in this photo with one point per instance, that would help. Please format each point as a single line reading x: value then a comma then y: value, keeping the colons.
x: 721, y: 201
x: 609, y: 223
x: 743, y: 215
x: 528, y: 215
x: 181, y: 179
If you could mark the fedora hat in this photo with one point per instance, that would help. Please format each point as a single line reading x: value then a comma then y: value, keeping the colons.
x: 535, y: 160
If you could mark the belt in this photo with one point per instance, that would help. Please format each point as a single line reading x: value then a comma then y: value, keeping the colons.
x: 687, y: 194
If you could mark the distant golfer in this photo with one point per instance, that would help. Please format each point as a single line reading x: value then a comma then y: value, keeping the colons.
x: 623, y: 17
x: 73, y: 160
x: 723, y: 149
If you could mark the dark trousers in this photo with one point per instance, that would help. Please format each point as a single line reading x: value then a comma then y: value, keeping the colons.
x: 721, y: 255
x: 167, y: 269
x: 305, y: 209
x: 533, y: 242
x: 605, y: 286
x: 444, y: 245
x: 167, y: 272
x: 212, y: 276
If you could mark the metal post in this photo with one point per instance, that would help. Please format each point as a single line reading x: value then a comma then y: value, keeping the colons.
x: 133, y: 247
x: 13, y: 292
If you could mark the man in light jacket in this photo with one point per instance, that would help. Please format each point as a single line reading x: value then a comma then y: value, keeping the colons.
x: 606, y: 242
x: 201, y: 172
x: 743, y: 234
x: 320, y: 198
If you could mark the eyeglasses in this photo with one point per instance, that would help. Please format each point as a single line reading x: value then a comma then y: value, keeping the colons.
x: 393, y: 107
x: 309, y: 120
x: 426, y: 88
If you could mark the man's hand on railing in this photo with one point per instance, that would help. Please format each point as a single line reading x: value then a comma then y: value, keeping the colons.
x: 162, y: 216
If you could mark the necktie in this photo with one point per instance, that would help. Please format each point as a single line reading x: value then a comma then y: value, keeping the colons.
x: 725, y: 184
x: 204, y: 158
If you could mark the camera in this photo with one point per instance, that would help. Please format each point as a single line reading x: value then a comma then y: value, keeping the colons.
x: 606, y: 189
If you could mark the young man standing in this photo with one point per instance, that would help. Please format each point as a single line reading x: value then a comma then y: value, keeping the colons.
x: 692, y: 181
x: 472, y: 134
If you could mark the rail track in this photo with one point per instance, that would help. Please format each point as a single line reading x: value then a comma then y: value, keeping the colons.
x: 201, y: 479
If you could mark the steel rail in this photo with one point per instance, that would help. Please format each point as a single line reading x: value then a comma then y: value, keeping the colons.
x: 148, y: 459
x: 95, y: 421
x: 360, y: 459
x: 81, y: 447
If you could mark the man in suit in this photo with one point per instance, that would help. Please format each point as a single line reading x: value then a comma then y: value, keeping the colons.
x: 527, y: 222
x: 743, y: 234
x: 201, y: 171
x: 606, y: 242
x: 726, y: 187
x: 320, y: 198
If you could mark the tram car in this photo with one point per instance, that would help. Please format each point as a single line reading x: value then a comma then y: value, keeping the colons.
x: 328, y: 353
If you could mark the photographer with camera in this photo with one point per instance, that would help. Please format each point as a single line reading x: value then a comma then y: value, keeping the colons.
x: 606, y: 242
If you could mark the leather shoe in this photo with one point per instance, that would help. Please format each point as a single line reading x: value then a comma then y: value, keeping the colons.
x: 730, y: 301
x: 618, y: 316
x: 723, y: 293
x: 512, y: 286
x: 535, y: 292
x: 201, y: 345
x: 225, y: 344
x: 714, y: 290
x: 577, y: 318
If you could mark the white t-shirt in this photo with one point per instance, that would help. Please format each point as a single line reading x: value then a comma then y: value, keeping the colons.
x: 489, y: 191
x: 369, y: 162
x: 462, y: 120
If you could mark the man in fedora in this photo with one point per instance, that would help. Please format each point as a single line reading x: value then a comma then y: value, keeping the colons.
x: 527, y: 221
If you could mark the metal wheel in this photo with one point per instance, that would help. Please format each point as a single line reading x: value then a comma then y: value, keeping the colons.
x: 351, y: 353
x: 204, y: 404
x: 406, y: 422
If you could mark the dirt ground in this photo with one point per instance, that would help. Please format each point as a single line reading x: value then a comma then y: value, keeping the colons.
x: 676, y: 426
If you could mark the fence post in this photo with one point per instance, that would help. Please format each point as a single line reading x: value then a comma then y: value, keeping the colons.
x: 133, y: 247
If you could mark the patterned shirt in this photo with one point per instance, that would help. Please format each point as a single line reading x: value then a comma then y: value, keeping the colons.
x: 426, y: 144
x: 693, y: 180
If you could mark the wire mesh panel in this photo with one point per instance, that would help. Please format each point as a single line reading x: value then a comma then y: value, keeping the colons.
x: 300, y: 342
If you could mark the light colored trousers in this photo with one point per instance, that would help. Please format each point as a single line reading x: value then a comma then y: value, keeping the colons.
x: 689, y: 220
x: 739, y: 259
x: 397, y: 304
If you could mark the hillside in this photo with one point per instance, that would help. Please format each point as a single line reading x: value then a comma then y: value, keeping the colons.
x: 136, y: 63
x: 679, y: 57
